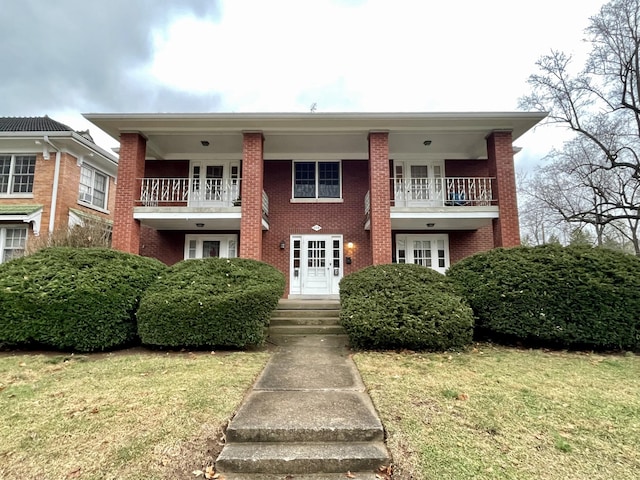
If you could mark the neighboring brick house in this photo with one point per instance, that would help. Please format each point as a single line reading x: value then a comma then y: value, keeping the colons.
x: 51, y: 177
x: 316, y: 195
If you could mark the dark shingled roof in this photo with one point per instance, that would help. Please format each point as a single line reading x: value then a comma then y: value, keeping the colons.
x: 32, y: 124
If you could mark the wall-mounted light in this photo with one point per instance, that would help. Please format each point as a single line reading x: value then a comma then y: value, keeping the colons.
x: 282, y: 244
x: 430, y: 225
x: 426, y: 143
x: 205, y: 143
x: 350, y: 245
x: 199, y: 225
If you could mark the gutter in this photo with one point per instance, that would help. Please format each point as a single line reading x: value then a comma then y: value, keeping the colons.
x: 56, y: 181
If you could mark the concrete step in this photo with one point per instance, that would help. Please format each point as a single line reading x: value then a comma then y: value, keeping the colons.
x: 302, y: 476
x: 328, y: 341
x: 306, y: 330
x: 294, y: 304
x: 301, y: 458
x: 333, y: 416
x: 298, y: 313
x: 304, y: 321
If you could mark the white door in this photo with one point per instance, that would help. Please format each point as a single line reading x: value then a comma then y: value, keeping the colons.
x: 214, y: 184
x: 316, y: 264
x: 419, y: 185
x: 431, y: 251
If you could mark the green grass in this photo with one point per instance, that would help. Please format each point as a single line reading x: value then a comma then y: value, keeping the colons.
x: 501, y: 413
x: 127, y: 415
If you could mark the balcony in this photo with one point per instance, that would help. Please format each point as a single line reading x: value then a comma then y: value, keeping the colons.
x: 448, y: 203
x: 192, y: 203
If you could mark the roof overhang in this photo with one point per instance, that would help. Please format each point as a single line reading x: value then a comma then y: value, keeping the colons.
x: 291, y: 135
x: 48, y: 142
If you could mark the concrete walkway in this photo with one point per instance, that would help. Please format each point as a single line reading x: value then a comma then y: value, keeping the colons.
x: 308, y: 416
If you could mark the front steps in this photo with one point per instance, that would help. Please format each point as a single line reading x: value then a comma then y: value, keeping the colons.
x: 308, y: 414
x: 294, y: 321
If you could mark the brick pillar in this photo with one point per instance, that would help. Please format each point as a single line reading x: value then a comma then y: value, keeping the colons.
x: 506, y: 228
x: 126, y: 230
x: 252, y: 178
x: 380, y: 211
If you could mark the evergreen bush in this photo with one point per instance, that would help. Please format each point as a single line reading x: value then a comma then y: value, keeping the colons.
x: 404, y: 306
x: 81, y: 299
x: 574, y: 296
x: 212, y: 302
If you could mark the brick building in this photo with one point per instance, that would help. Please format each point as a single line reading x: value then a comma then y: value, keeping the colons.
x: 51, y: 177
x: 318, y: 195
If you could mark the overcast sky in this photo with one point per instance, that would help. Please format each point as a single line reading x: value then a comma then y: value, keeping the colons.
x: 67, y: 57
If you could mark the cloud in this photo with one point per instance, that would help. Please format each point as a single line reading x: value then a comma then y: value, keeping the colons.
x: 79, y: 55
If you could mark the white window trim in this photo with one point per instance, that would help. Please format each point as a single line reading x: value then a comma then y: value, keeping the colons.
x: 94, y: 170
x: 12, y: 165
x: 433, y: 237
x: 3, y: 237
x: 199, y: 238
x: 315, y: 199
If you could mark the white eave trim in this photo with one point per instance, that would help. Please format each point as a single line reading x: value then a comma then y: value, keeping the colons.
x: 34, y: 218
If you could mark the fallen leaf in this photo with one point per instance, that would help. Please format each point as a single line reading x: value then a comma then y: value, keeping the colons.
x: 463, y: 396
x: 74, y: 473
x: 198, y: 473
x: 95, y: 410
x: 350, y: 475
x: 209, y: 472
x: 23, y: 364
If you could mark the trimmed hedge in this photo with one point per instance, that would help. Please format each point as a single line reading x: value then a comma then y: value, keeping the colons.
x: 212, y: 302
x: 572, y: 296
x: 404, y: 306
x: 81, y: 299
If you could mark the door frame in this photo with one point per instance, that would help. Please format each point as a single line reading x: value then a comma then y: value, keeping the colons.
x: 404, y: 243
x: 298, y: 263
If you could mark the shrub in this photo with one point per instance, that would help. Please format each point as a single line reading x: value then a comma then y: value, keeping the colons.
x: 73, y: 299
x: 564, y: 296
x: 403, y: 306
x: 210, y: 302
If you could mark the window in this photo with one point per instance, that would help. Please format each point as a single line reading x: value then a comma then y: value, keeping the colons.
x: 13, y: 240
x: 316, y: 180
x: 93, y: 187
x: 16, y: 173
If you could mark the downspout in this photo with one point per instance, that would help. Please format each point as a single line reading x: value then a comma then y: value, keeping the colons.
x: 56, y: 181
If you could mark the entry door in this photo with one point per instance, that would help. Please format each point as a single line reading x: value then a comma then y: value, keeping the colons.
x: 316, y: 264
x: 420, y: 185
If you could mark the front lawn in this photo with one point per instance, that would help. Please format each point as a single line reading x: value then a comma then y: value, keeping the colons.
x: 503, y: 413
x: 125, y: 415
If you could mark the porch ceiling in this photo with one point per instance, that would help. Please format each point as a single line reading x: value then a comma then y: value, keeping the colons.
x: 449, y: 218
x: 293, y: 135
x: 186, y: 219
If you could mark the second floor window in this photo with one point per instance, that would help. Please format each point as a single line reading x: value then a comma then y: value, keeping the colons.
x: 17, y: 173
x: 316, y: 180
x: 93, y: 187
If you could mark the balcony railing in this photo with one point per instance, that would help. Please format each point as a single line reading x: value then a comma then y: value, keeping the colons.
x: 447, y: 191
x: 191, y: 192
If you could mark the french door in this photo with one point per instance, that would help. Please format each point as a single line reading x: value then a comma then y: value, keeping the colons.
x: 418, y: 184
x: 316, y: 264
x: 214, y: 184
x: 431, y: 251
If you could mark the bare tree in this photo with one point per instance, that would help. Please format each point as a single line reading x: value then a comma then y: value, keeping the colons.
x: 597, y: 173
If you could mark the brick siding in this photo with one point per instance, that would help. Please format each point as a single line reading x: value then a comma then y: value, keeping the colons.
x: 380, y: 195
x: 506, y: 231
x: 251, y: 194
x: 126, y: 230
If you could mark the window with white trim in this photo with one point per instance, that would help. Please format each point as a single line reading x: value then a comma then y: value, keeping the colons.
x: 205, y: 246
x: 316, y: 180
x: 94, y: 187
x: 13, y: 241
x: 17, y: 173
